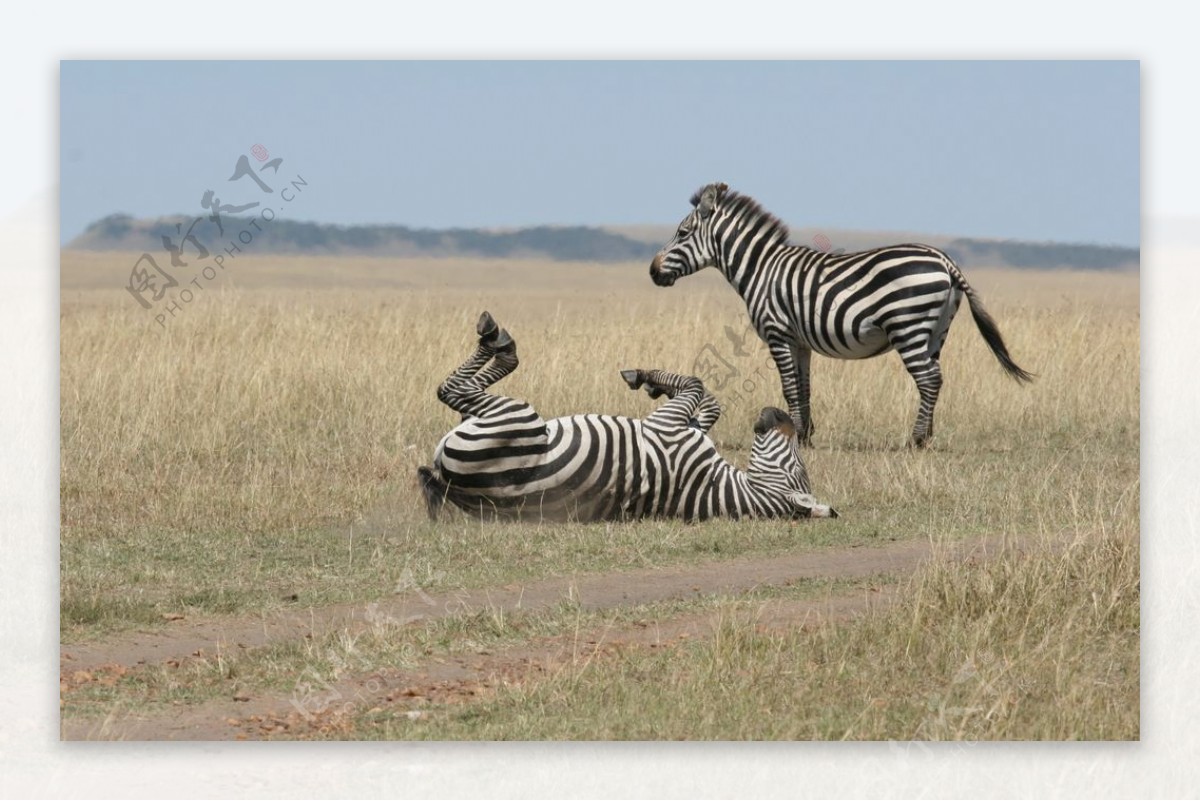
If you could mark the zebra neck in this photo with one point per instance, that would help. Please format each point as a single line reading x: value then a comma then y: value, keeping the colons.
x: 749, y: 254
x: 752, y: 492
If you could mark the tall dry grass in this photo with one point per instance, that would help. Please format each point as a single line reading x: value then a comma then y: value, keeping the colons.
x: 233, y: 455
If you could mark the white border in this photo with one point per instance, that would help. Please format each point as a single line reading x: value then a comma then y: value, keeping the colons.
x: 34, y: 764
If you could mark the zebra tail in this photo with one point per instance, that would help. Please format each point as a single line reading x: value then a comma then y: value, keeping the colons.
x: 989, y: 329
x: 433, y: 489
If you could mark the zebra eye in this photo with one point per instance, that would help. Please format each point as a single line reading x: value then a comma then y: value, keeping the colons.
x: 683, y: 232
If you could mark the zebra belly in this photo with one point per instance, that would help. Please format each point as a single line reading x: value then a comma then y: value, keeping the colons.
x: 868, y: 342
x: 846, y: 310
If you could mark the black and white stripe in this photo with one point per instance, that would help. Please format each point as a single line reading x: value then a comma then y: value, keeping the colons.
x: 505, y: 461
x: 845, y: 306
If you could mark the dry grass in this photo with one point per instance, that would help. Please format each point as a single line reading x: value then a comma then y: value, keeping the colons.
x: 264, y: 442
x: 1039, y: 644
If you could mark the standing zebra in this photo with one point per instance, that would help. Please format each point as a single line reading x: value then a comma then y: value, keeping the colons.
x: 505, y: 461
x: 845, y: 306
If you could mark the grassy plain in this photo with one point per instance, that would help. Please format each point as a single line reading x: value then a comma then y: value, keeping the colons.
x: 258, y: 449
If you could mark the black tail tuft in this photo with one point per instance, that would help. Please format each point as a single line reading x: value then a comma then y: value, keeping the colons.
x: 433, y: 489
x: 991, y: 335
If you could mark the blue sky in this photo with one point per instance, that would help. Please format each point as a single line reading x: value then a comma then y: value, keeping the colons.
x: 1042, y: 150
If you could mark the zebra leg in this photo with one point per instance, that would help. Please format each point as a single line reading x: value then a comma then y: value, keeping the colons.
x: 463, y: 390
x: 942, y: 327
x: 803, y: 413
x: 707, y: 413
x: 491, y: 336
x: 504, y: 360
x: 686, y: 397
x: 787, y: 361
x: 927, y: 373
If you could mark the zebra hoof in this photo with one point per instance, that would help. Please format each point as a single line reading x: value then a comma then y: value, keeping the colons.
x: 632, y: 377
x: 486, y: 328
x: 504, y: 343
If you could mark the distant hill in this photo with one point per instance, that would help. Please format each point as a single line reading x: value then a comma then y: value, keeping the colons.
x: 561, y: 243
x: 1042, y: 255
x: 844, y: 238
x: 967, y: 251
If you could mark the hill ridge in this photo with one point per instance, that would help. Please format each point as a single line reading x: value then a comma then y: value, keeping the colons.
x: 554, y: 242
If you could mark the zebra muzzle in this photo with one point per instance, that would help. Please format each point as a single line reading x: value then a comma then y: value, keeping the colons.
x: 658, y: 275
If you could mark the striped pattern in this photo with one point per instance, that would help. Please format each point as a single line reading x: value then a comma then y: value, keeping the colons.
x: 504, y: 461
x: 844, y: 306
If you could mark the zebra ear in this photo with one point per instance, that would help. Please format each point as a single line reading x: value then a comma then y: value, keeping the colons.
x: 709, y: 197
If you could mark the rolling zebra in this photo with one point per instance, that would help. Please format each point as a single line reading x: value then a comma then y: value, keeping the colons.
x: 845, y: 306
x: 504, y: 461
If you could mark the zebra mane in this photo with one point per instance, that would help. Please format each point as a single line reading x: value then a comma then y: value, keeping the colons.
x: 749, y: 210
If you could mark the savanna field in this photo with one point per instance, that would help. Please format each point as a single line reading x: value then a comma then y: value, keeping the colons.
x: 253, y: 461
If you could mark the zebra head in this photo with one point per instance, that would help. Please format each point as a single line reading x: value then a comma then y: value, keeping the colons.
x: 692, y: 247
x: 776, y: 464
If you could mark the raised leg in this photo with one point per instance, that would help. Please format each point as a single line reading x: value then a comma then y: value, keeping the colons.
x: 686, y: 394
x: 502, y: 345
x: 707, y: 413
x: 494, y: 357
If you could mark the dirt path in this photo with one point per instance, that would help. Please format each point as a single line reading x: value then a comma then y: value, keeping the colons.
x: 441, y: 680
x: 182, y: 638
x: 450, y: 678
